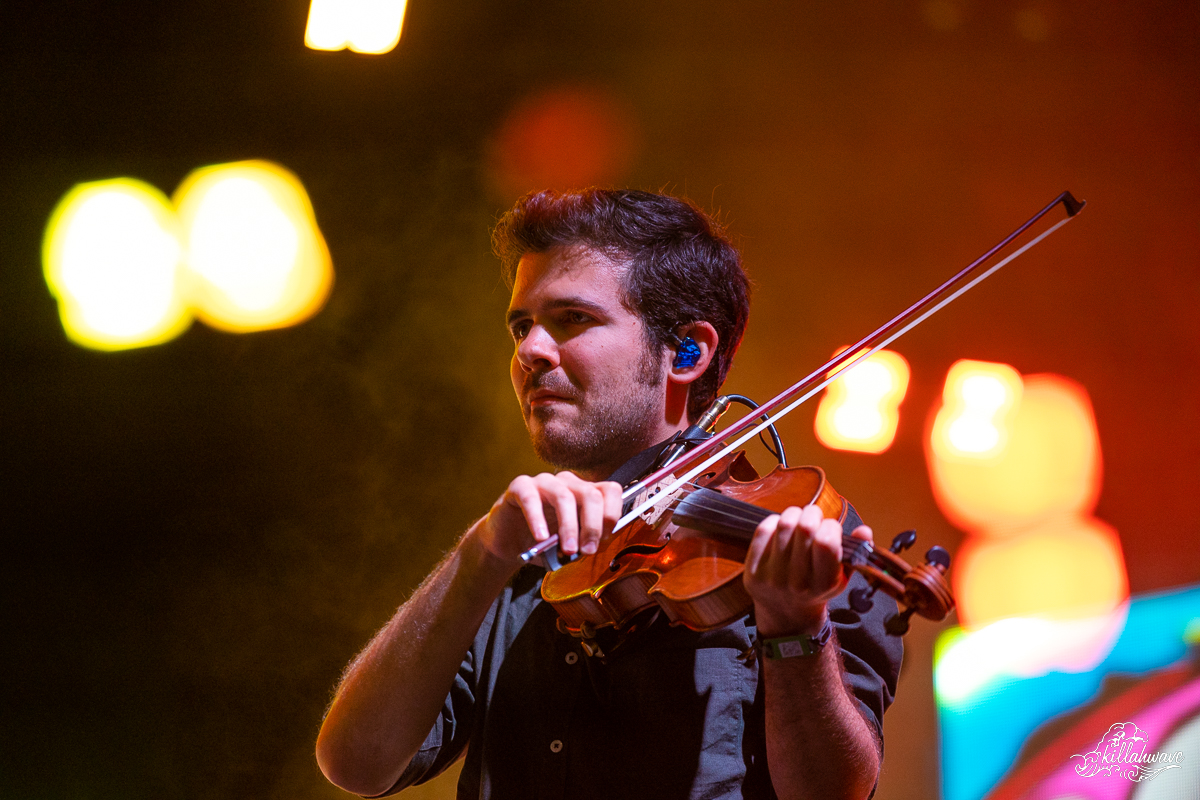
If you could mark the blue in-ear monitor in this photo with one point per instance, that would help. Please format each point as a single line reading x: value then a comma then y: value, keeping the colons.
x: 687, y: 354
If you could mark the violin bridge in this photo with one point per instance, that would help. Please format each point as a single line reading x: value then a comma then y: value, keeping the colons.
x: 654, y: 513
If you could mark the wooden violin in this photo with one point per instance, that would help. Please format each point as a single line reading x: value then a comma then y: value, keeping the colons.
x: 682, y: 543
x: 686, y: 555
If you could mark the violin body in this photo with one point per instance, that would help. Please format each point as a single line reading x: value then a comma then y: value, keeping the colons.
x: 694, y: 576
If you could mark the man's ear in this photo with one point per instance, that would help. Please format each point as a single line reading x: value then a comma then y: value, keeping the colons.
x: 697, y: 348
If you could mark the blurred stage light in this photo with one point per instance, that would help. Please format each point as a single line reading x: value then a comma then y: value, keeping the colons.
x: 364, y: 26
x: 256, y: 255
x: 1046, y: 459
x: 1020, y: 647
x: 1017, y: 698
x: 1016, y: 463
x: 860, y: 410
x: 111, y: 256
x: 241, y: 250
x: 567, y: 137
x: 977, y: 402
x: 1068, y: 567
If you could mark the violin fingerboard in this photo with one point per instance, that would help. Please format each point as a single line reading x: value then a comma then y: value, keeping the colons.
x: 713, y: 513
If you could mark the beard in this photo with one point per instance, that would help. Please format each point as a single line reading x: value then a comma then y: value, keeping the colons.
x: 609, y: 428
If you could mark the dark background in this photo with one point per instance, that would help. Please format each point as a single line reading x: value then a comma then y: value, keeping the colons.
x: 199, y: 535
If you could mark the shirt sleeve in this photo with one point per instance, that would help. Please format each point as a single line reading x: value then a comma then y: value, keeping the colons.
x: 870, y: 656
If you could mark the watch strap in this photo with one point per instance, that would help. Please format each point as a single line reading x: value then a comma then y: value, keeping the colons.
x: 795, y: 646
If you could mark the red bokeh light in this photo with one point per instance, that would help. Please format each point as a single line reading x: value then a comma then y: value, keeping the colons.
x: 563, y: 138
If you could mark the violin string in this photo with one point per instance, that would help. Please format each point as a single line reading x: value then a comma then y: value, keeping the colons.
x: 730, y: 509
x: 848, y: 541
x: 716, y: 507
x: 721, y: 506
x: 717, y: 504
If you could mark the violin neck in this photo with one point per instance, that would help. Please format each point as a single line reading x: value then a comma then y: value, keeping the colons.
x: 715, y: 514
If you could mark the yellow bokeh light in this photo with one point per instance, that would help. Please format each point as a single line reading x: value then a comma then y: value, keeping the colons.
x: 257, y: 258
x: 1066, y: 567
x: 364, y: 26
x: 1047, y: 461
x: 111, y: 256
x: 977, y: 402
x: 860, y: 410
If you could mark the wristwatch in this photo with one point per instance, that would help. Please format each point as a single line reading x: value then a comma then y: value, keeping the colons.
x: 794, y: 646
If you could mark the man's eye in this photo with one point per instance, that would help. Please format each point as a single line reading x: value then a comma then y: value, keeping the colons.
x: 519, y: 330
x: 576, y: 318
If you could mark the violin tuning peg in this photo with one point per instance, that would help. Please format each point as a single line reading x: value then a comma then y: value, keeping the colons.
x: 860, y: 599
x: 897, y: 624
x: 937, y: 555
x: 903, y: 541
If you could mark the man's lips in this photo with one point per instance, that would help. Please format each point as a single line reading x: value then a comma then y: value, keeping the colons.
x: 542, y: 397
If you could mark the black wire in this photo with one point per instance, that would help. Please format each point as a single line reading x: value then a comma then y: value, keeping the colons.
x: 777, y: 451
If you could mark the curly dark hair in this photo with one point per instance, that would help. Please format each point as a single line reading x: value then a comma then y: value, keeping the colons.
x: 682, y: 267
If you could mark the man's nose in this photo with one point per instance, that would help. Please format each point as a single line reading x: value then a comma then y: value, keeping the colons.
x: 538, y: 350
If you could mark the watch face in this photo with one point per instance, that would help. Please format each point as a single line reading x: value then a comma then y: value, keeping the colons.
x: 792, y: 646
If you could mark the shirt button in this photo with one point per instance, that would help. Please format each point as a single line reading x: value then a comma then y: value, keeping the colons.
x: 556, y: 746
x: 572, y: 658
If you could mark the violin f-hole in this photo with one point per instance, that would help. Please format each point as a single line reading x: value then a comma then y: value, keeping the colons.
x: 637, y: 550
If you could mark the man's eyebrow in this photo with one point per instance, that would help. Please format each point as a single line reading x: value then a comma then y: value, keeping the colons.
x: 562, y: 302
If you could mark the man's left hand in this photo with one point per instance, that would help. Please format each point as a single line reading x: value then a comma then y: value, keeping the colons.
x: 794, y: 568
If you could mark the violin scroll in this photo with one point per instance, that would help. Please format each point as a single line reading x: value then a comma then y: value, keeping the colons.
x: 921, y: 589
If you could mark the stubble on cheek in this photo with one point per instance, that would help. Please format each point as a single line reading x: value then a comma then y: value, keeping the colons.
x: 595, y: 438
x: 597, y: 432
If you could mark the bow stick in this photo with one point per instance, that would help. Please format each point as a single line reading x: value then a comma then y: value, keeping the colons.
x: 750, y: 426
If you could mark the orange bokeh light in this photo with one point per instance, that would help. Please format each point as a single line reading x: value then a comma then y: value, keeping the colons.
x: 111, y: 256
x: 563, y: 138
x: 1047, y: 460
x: 1065, y: 568
x: 1016, y: 463
x: 256, y: 258
x: 978, y: 402
x: 364, y: 26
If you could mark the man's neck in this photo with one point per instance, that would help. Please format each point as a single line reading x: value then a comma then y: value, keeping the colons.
x: 648, y: 443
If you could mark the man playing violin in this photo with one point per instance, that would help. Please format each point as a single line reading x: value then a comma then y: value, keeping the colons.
x: 626, y: 311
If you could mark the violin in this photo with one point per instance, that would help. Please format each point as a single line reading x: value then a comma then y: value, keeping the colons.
x: 687, y: 556
x: 683, y: 543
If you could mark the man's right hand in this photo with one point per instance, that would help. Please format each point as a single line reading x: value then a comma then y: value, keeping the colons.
x: 536, y: 506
